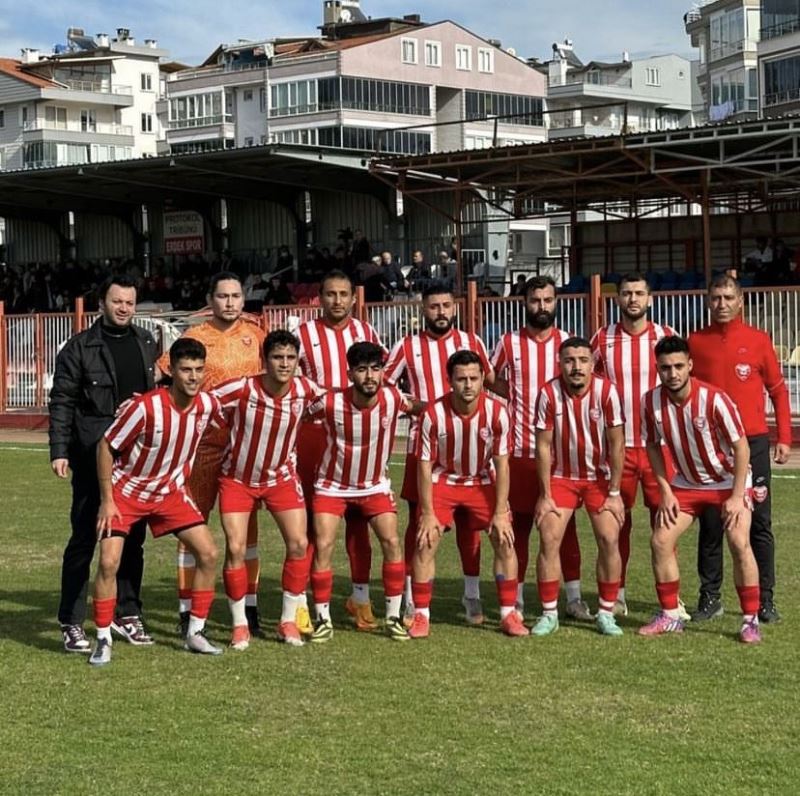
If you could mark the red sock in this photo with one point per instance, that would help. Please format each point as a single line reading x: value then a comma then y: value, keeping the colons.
x: 359, y: 551
x: 235, y: 582
x: 294, y: 577
x: 625, y: 545
x: 201, y: 602
x: 668, y: 594
x: 570, y: 552
x: 322, y: 585
x: 184, y: 594
x: 394, y: 575
x: 607, y: 591
x: 548, y: 593
x: 749, y: 598
x: 469, y: 548
x: 506, y: 591
x: 422, y: 593
x: 522, y: 524
x: 103, y: 611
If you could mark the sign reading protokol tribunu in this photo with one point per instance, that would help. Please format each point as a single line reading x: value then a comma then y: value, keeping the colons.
x: 183, y: 232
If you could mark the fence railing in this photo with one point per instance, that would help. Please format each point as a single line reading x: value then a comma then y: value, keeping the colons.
x: 29, y: 344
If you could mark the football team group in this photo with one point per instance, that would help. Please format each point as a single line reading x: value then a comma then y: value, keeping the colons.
x: 497, y: 444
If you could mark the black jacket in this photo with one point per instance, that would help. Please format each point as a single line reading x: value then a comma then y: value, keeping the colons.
x: 84, y: 397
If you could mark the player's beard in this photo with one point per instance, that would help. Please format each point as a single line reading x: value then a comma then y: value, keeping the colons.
x: 676, y: 390
x: 634, y: 316
x: 540, y: 320
x: 438, y: 330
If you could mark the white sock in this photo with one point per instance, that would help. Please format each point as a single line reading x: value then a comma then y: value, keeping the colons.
x: 672, y: 613
x: 426, y: 612
x: 361, y: 592
x: 393, y: 605
x: 323, y: 611
x: 550, y: 609
x: 251, y: 600
x: 606, y: 611
x: 505, y: 610
x: 472, y: 587
x: 238, y: 616
x: 104, y: 633
x: 291, y: 602
x: 573, y: 588
x: 196, y: 624
x: 303, y: 600
x: 520, y: 595
x: 185, y: 604
x: 746, y: 619
x: 408, y: 595
x: 621, y: 595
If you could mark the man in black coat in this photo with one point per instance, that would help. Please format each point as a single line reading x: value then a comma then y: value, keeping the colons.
x: 95, y: 372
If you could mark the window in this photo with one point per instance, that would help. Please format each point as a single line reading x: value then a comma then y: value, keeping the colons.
x: 291, y: 98
x: 197, y: 110
x: 2, y: 118
x: 433, y: 53
x: 147, y: 122
x: 485, y: 60
x: 409, y: 50
x: 55, y: 117
x: 652, y: 76
x: 514, y: 108
x: 146, y: 81
x: 248, y: 141
x: 262, y: 100
x: 88, y: 121
x: 23, y: 116
x: 463, y: 57
x: 248, y: 95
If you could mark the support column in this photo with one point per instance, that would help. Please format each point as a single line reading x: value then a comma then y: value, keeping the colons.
x: 704, y: 205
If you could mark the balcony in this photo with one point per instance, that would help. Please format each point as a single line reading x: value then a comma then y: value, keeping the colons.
x: 90, y: 91
x: 782, y: 97
x: 592, y: 80
x: 97, y: 87
x: 200, y: 121
x: 100, y: 128
x: 780, y: 29
x: 727, y: 49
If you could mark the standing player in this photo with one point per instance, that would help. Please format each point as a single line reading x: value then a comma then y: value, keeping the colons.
x: 233, y: 347
x: 422, y: 360
x: 155, y: 439
x: 360, y: 423
x: 324, y: 343
x: 702, y: 430
x: 462, y: 455
x: 264, y: 413
x: 623, y: 353
x: 525, y: 361
x: 580, y: 448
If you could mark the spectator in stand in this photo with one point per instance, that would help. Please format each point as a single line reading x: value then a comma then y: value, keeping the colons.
x: 519, y: 288
x: 278, y: 293
x: 779, y: 270
x: 394, y: 283
x: 420, y: 274
x: 446, y: 268
x: 255, y: 288
x: 285, y: 260
x: 361, y: 251
x: 370, y: 276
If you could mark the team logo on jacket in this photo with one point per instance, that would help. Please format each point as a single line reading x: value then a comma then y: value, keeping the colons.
x: 699, y: 423
x: 297, y: 407
x: 595, y: 414
x: 760, y: 494
x: 484, y: 434
x: 743, y: 371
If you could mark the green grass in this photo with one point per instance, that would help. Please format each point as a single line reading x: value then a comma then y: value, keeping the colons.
x: 468, y: 711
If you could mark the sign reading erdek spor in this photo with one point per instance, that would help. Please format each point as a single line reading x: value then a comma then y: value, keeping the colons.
x: 183, y: 232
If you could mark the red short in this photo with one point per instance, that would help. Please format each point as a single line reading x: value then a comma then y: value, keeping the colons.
x: 637, y: 470
x: 311, y: 441
x: 571, y: 494
x: 368, y: 506
x: 694, y: 501
x: 203, y: 482
x: 474, y: 504
x: 409, y: 489
x: 176, y: 512
x: 234, y: 496
x: 523, y: 489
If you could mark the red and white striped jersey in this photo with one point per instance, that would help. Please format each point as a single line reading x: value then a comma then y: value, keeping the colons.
x: 157, y: 442
x: 699, y: 433
x: 323, y: 349
x: 527, y: 364
x: 359, y: 441
x: 628, y: 361
x: 422, y: 358
x: 579, y: 424
x: 263, y: 428
x: 461, y: 447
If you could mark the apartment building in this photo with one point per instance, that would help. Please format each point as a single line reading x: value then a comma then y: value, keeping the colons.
x: 92, y: 99
x: 779, y: 57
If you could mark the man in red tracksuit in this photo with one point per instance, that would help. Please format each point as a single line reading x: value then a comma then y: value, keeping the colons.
x: 740, y: 360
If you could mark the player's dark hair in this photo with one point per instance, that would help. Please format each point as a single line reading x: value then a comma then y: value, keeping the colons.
x: 222, y: 276
x: 186, y: 348
x: 633, y: 276
x: 671, y: 345
x: 574, y: 342
x: 121, y: 280
x: 464, y: 357
x: 335, y: 274
x: 364, y: 354
x: 725, y: 280
x: 437, y: 288
x: 539, y: 283
x: 280, y: 337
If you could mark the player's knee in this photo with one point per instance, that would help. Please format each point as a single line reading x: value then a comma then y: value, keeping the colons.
x: 739, y: 545
x: 109, y: 561
x: 661, y: 544
x: 297, y: 548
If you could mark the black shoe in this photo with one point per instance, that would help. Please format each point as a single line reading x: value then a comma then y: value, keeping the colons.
x: 708, y: 607
x: 183, y: 624
x: 768, y: 613
x: 254, y: 621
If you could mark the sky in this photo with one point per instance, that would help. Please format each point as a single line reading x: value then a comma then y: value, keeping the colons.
x: 191, y: 29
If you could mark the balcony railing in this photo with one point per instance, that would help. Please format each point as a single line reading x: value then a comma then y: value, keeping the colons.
x: 731, y: 48
x: 592, y: 80
x: 96, y: 87
x: 780, y: 29
x: 779, y: 97
x: 77, y: 127
x: 200, y: 121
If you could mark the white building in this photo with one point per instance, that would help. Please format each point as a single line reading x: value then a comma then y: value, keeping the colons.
x: 779, y: 57
x: 92, y: 99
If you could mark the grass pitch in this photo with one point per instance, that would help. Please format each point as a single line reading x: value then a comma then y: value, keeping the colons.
x: 467, y: 711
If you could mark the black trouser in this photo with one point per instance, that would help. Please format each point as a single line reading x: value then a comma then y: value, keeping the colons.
x: 80, y: 551
x: 709, y: 548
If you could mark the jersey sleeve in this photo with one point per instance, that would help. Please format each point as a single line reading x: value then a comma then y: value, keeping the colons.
x: 501, y: 434
x: 499, y: 359
x: 426, y: 440
x: 229, y: 392
x: 598, y: 343
x: 373, y: 337
x: 217, y: 418
x: 396, y: 363
x: 543, y: 413
x: 651, y: 432
x: 122, y: 433
x: 612, y: 410
x: 727, y: 418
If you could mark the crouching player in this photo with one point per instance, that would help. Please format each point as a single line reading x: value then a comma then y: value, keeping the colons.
x: 701, y: 427
x: 360, y: 423
x: 155, y: 439
x: 263, y: 413
x: 462, y: 452
x: 580, y: 449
